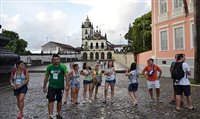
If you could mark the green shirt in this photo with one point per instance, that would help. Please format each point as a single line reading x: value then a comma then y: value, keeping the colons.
x: 56, y: 75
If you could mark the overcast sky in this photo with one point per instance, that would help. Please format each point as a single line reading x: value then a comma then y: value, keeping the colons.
x: 40, y: 21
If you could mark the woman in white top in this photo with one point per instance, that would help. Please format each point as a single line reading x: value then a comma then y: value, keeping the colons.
x: 110, y: 80
x: 19, y: 79
x: 133, y: 85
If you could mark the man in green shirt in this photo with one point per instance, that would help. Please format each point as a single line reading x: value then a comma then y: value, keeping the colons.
x: 55, y: 74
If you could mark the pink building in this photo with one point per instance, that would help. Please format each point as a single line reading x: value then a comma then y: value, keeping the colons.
x: 172, y: 32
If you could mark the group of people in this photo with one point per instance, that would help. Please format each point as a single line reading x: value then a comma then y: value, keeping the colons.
x: 60, y: 79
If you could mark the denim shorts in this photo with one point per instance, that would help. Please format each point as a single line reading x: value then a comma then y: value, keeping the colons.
x: 75, y: 84
x: 23, y: 90
x: 111, y: 81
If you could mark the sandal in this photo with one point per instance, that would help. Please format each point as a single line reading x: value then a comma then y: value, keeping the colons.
x: 178, y: 109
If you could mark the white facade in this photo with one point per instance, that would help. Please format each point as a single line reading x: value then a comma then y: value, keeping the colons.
x: 94, y: 45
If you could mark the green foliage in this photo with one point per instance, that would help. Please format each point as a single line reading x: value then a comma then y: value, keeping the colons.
x: 16, y: 44
x: 140, y: 29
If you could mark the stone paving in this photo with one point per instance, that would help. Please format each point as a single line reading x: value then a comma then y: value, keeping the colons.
x: 121, y: 108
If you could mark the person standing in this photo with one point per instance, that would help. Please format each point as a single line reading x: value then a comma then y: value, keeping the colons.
x: 110, y: 80
x: 150, y: 73
x: 133, y: 85
x: 183, y: 84
x: 97, y: 79
x: 74, y: 76
x: 19, y: 81
x: 68, y: 87
x: 55, y: 74
x: 87, y: 81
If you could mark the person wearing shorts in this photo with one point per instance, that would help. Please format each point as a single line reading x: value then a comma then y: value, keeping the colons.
x: 97, y: 79
x: 150, y: 73
x: 19, y: 81
x: 110, y: 80
x: 74, y: 75
x: 55, y: 74
x: 87, y: 82
x: 183, y: 86
x: 133, y: 85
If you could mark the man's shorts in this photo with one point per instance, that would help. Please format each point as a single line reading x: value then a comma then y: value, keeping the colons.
x: 153, y: 84
x: 87, y: 82
x: 54, y: 94
x: 23, y: 90
x: 180, y: 89
x: 133, y: 87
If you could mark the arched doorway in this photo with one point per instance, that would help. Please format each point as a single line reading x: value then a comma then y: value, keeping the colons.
x: 91, y: 55
x: 109, y: 55
x: 102, y: 55
x: 84, y: 55
x: 96, y: 55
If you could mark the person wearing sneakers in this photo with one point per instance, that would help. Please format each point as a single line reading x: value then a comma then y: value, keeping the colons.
x: 55, y: 74
x: 87, y: 81
x: 183, y: 85
x: 150, y: 73
x: 74, y: 75
x: 110, y: 80
x: 19, y: 80
x: 133, y: 85
x: 97, y: 79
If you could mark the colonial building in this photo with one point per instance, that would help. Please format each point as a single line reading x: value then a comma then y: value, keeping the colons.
x: 173, y: 32
x: 95, y: 46
x: 54, y: 47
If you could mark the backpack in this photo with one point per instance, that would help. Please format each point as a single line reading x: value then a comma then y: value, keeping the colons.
x: 14, y: 71
x: 177, y: 72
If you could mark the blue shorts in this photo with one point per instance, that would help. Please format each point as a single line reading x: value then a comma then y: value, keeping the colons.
x: 23, y: 90
x: 87, y: 82
x: 111, y: 81
x: 133, y: 87
x: 75, y: 84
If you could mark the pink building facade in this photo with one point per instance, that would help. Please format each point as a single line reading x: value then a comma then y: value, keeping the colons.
x: 172, y: 32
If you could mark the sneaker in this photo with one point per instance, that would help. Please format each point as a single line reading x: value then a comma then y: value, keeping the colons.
x: 90, y: 101
x: 104, y: 101
x: 159, y: 101
x: 84, y: 101
x: 151, y: 100
x: 50, y: 116
x: 58, y: 116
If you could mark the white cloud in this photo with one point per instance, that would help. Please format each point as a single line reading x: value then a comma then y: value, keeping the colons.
x: 112, y: 17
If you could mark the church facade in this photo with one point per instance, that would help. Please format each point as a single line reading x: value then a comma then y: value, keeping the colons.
x: 95, y: 46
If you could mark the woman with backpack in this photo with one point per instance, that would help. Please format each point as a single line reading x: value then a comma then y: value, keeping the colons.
x: 19, y: 79
x: 133, y: 85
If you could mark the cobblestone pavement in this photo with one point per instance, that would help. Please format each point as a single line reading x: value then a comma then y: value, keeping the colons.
x: 36, y: 103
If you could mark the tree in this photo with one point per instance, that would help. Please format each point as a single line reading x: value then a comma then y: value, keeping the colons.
x: 139, y: 34
x: 197, y: 41
x: 16, y: 44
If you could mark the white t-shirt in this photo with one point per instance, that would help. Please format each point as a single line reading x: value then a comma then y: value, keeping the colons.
x: 185, y: 80
x: 112, y: 76
x: 134, y: 76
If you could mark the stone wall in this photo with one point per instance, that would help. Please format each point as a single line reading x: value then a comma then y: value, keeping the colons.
x: 125, y: 59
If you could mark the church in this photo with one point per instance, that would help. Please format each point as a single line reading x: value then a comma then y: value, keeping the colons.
x: 95, y: 46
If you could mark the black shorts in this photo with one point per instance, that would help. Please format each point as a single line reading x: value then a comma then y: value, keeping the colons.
x: 87, y: 82
x: 133, y: 87
x: 54, y: 94
x: 180, y: 89
x: 23, y: 90
x: 111, y: 81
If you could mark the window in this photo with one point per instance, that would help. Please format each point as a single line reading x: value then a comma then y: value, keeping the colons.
x: 86, y: 32
x: 177, y: 3
x: 193, y: 35
x: 163, y: 6
x: 163, y: 40
x: 178, y: 38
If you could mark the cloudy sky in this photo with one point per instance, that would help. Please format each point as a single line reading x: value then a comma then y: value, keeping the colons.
x: 40, y: 21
